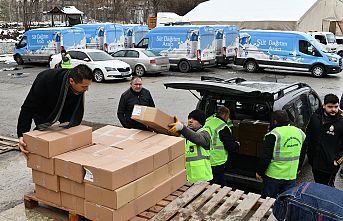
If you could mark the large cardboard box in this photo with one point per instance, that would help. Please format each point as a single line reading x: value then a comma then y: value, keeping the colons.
x: 73, y: 203
x: 40, y: 163
x: 97, y: 212
x: 45, y: 180
x: 57, y: 140
x: 235, y: 129
x: 71, y: 187
x: 254, y: 130
x: 248, y: 147
x: 123, y: 195
x: 152, y: 117
x: 48, y: 195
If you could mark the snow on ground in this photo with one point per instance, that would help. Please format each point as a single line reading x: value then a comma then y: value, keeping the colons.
x: 7, y: 58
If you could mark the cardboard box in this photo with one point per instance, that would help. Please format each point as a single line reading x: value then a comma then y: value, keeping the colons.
x: 235, y: 129
x: 73, y: 203
x: 152, y: 117
x: 45, y: 180
x: 254, y: 130
x: 117, y: 198
x: 40, y: 163
x: 48, y: 195
x: 248, y: 147
x: 97, y: 212
x: 71, y: 187
x: 57, y: 140
x: 259, y: 149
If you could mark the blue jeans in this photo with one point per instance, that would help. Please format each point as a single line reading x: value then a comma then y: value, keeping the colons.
x: 310, y: 202
x: 273, y: 187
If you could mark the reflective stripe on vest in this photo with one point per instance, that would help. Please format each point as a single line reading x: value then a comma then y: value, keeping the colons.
x: 198, y: 157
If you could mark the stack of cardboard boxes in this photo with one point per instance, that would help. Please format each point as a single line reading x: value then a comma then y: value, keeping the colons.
x: 112, y: 174
x: 250, y: 134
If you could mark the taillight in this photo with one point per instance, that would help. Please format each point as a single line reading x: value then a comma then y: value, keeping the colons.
x: 105, y: 47
x: 236, y: 52
x: 224, y: 51
x: 199, y: 55
x: 152, y: 61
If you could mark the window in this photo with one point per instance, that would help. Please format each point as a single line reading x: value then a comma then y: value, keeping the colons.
x: 303, y: 110
x: 81, y: 56
x: 119, y: 54
x: 291, y: 113
x: 321, y: 39
x: 73, y: 54
x: 307, y: 48
x: 314, y: 102
x: 22, y: 43
x: 144, y: 43
x: 132, y: 54
x: 151, y: 53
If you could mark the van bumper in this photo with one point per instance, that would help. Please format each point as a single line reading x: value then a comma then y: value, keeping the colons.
x: 202, y: 64
x: 330, y: 69
x: 224, y: 60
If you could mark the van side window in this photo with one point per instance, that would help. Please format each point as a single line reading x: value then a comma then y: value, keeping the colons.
x: 144, y: 43
x: 321, y: 39
x: 307, y: 48
x: 22, y: 43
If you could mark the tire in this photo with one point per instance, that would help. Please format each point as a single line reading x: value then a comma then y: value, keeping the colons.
x: 139, y: 70
x: 19, y: 59
x: 98, y: 76
x: 184, y: 66
x: 251, y: 66
x: 318, y: 71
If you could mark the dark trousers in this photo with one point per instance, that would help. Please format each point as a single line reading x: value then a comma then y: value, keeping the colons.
x: 324, y: 177
x: 273, y: 187
x: 218, y: 174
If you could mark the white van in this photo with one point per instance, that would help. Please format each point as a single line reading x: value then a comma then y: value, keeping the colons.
x: 328, y: 41
x: 285, y: 50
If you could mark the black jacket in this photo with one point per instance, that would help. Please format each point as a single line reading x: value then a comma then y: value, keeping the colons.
x: 127, y: 100
x: 324, y: 141
x: 42, y: 101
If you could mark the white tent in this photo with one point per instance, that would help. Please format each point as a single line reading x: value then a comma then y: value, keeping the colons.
x: 297, y: 15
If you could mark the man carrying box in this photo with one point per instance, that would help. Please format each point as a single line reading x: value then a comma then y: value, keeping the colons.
x: 55, y: 95
x: 198, y: 165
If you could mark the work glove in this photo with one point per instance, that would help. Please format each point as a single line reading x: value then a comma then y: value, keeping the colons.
x: 175, y: 127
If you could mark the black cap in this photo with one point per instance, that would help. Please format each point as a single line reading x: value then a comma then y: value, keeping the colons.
x: 198, y: 115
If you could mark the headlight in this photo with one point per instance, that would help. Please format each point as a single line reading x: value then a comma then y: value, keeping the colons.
x: 333, y: 59
x: 110, y: 69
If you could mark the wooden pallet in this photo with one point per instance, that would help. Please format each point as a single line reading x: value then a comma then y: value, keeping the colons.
x: 31, y: 201
x: 8, y: 144
x: 210, y: 202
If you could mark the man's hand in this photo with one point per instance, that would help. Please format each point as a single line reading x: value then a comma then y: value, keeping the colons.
x: 22, y: 146
x: 175, y: 127
x: 258, y: 177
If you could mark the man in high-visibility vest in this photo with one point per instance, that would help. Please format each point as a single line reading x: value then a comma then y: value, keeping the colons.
x: 222, y: 142
x: 66, y: 60
x: 279, y: 163
x: 198, y: 165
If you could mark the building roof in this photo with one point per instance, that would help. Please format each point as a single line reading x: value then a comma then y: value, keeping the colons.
x: 250, y: 10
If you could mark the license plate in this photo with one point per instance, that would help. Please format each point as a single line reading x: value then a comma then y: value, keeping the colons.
x: 206, y: 62
x: 164, y: 66
x: 125, y: 73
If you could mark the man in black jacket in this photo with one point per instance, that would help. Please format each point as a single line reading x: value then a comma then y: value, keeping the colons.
x: 324, y: 141
x: 55, y: 95
x: 136, y: 94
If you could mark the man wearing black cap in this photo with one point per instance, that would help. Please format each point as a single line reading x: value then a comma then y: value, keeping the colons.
x: 198, y: 139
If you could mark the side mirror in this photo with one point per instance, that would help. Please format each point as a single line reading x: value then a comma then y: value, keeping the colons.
x: 86, y: 59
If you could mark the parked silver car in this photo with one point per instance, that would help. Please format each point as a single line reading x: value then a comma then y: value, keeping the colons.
x: 142, y: 60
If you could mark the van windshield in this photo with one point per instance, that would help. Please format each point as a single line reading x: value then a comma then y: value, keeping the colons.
x: 331, y: 38
x: 318, y: 46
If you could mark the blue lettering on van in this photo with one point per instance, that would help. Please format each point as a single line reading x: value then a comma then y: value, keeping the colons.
x: 167, y: 40
x: 40, y: 38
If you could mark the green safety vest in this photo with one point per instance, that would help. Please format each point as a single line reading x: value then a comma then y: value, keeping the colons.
x: 198, y: 166
x: 67, y: 64
x: 287, y: 148
x: 217, y: 151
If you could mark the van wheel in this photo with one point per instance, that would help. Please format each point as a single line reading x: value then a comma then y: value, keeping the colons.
x: 139, y: 70
x: 184, y: 66
x: 98, y: 76
x: 318, y: 71
x: 251, y: 66
x: 18, y: 59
